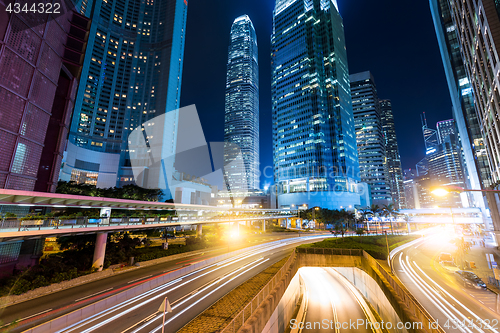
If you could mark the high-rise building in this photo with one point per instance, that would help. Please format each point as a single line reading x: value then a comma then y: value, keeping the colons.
x: 445, y: 167
x: 370, y: 137
x: 132, y: 74
x: 395, y: 175
x: 477, y: 173
x: 40, y: 62
x: 241, y: 127
x: 314, y: 143
x: 474, y: 27
x: 39, y: 68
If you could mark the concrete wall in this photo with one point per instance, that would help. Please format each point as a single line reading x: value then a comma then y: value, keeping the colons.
x: 89, y: 310
x: 286, y: 307
x: 373, y: 293
x: 404, y: 305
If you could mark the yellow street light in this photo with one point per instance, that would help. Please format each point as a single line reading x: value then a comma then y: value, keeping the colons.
x: 440, y: 192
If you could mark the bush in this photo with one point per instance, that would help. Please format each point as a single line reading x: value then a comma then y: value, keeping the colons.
x: 374, y: 245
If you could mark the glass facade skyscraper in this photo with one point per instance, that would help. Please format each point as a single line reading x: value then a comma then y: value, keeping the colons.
x: 314, y: 143
x: 132, y: 74
x: 370, y: 137
x: 241, y: 127
x: 477, y: 173
x: 395, y: 171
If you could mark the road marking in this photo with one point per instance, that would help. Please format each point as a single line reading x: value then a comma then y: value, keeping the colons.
x: 140, y: 278
x: 481, y: 301
x: 100, y: 292
x: 144, y: 320
x: 35, y: 315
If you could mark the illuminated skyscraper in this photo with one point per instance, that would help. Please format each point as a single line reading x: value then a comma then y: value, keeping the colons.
x: 132, y: 73
x: 395, y: 171
x: 370, y: 137
x: 314, y: 143
x: 477, y: 172
x: 241, y: 127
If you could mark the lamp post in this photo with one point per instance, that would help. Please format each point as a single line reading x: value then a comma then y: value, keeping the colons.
x: 314, y: 218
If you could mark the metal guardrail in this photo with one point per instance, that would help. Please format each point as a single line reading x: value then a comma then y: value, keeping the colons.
x: 11, y: 224
x: 254, y: 304
x: 332, y: 251
x: 406, y: 297
x: 411, y: 303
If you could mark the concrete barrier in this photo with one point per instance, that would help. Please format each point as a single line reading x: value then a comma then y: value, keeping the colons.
x: 89, y: 310
x: 407, y: 308
x: 42, y: 291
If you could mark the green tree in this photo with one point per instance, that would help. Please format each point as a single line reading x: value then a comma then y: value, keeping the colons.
x: 390, y: 211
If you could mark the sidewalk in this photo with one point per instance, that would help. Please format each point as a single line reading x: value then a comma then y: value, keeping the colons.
x: 477, y: 254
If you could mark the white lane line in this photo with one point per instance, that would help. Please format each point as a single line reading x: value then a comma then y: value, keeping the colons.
x: 202, y: 298
x: 144, y: 277
x: 139, y: 322
x: 39, y: 313
x: 427, y: 291
x: 462, y: 305
x: 481, y: 302
x: 97, y: 293
x: 150, y: 299
x: 224, y: 263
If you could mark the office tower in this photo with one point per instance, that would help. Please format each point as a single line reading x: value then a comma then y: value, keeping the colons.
x: 241, y: 127
x: 370, y: 137
x: 39, y: 68
x: 132, y: 74
x: 475, y: 27
x: 314, y: 143
x: 445, y: 166
x: 475, y: 162
x: 395, y: 175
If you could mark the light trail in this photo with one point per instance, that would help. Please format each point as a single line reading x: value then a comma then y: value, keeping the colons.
x: 160, y: 291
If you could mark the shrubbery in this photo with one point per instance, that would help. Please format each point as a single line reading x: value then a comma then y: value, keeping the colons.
x: 77, y: 259
x: 374, y: 245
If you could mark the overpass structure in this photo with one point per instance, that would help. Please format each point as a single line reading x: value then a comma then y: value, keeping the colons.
x: 13, y: 232
x: 444, y: 215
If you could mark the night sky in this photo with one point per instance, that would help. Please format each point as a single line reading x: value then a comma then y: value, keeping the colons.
x: 395, y: 40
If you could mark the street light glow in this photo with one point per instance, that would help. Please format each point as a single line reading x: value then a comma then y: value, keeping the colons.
x: 440, y: 192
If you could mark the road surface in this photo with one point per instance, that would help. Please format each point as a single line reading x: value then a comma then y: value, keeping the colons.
x: 455, y: 307
x: 189, y: 295
x: 333, y: 304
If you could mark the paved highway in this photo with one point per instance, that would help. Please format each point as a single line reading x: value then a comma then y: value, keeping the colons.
x: 189, y: 295
x: 455, y: 307
x: 333, y: 304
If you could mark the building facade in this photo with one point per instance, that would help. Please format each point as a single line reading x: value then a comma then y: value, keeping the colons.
x: 477, y: 173
x: 241, y: 127
x: 132, y: 74
x: 395, y: 171
x: 445, y: 167
x: 314, y: 143
x: 40, y: 63
x: 39, y: 69
x: 478, y: 36
x: 370, y: 137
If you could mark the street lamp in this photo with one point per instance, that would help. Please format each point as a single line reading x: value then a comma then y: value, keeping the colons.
x: 314, y: 217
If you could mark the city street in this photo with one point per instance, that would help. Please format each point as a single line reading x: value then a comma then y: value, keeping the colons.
x: 188, y: 295
x: 457, y: 308
x: 333, y: 305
